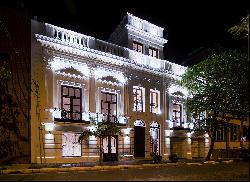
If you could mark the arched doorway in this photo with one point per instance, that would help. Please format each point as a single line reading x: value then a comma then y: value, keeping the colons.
x: 139, y: 138
x: 155, y: 137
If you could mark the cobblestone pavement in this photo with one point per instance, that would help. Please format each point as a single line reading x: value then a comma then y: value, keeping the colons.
x: 234, y: 171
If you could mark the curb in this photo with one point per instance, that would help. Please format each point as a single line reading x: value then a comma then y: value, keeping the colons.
x: 93, y: 168
x: 98, y: 168
x: 194, y: 163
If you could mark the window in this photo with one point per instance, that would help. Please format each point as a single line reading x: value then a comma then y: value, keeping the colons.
x: 71, y: 99
x: 70, y: 145
x: 220, y: 134
x: 154, y: 101
x: 109, y: 106
x: 234, y: 132
x: 153, y: 52
x: 137, y: 47
x: 177, y: 115
x: 139, y: 97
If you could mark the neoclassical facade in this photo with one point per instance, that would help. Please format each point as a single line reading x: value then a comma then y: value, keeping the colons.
x: 78, y: 79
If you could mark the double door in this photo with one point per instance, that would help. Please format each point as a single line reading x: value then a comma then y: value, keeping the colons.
x: 110, y: 148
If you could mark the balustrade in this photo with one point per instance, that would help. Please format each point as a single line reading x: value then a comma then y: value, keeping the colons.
x: 68, y: 37
x: 110, y: 48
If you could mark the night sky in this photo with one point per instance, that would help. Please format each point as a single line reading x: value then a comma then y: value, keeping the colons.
x: 188, y: 25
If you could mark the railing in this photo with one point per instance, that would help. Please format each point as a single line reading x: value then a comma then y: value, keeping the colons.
x: 108, y: 47
x: 68, y: 37
x: 145, y: 25
x: 146, y: 60
x: 60, y: 115
x: 178, y: 70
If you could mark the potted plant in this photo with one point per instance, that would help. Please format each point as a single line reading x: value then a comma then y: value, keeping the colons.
x: 156, y: 158
x: 173, y: 158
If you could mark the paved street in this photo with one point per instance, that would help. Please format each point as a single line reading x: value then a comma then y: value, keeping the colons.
x: 236, y: 171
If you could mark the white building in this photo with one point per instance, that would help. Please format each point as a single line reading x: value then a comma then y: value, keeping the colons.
x: 125, y: 80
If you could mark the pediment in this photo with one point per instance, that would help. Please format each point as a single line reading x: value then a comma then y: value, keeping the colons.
x: 178, y: 93
x: 72, y: 71
x: 110, y: 79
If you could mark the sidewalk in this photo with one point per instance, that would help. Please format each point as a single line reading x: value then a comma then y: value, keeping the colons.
x: 93, y: 166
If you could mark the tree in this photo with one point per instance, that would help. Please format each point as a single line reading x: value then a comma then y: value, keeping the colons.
x: 101, y: 130
x: 218, y: 85
x: 8, y: 117
x: 241, y: 28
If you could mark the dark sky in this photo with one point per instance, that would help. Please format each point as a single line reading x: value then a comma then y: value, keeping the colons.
x: 188, y: 24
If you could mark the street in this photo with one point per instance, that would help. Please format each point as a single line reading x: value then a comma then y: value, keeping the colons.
x: 235, y: 171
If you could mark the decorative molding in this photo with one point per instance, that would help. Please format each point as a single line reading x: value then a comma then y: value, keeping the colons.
x: 108, y: 58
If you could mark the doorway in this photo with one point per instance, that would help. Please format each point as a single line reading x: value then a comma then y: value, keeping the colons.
x: 110, y: 148
x: 139, y: 138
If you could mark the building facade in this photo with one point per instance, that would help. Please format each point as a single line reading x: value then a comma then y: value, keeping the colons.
x: 77, y: 80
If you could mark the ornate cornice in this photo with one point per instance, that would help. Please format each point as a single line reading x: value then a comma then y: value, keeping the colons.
x: 100, y: 56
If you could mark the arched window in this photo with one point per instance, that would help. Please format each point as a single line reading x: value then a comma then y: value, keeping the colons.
x: 140, y: 123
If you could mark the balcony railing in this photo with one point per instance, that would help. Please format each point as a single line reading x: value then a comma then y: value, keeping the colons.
x: 109, y: 48
x: 145, y: 25
x: 68, y: 37
x: 61, y: 115
x: 145, y: 60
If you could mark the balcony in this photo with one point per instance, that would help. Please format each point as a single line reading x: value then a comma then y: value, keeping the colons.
x: 120, y: 120
x: 60, y: 115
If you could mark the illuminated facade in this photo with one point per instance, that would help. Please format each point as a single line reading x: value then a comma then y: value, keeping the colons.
x: 126, y: 80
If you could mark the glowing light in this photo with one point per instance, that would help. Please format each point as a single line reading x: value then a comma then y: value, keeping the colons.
x: 49, y: 138
x: 185, y: 125
x: 128, y: 155
x: 126, y: 131
x: 49, y: 126
x: 188, y: 134
x: 101, y: 72
x: 175, y: 88
x: 126, y: 140
x: 47, y: 157
x: 56, y: 113
x: 92, y: 128
x: 60, y: 64
x: 206, y: 135
x: 92, y: 140
x: 170, y: 123
x: 167, y: 133
x: 167, y: 141
x: 191, y: 125
x: 85, y: 116
x: 122, y: 120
